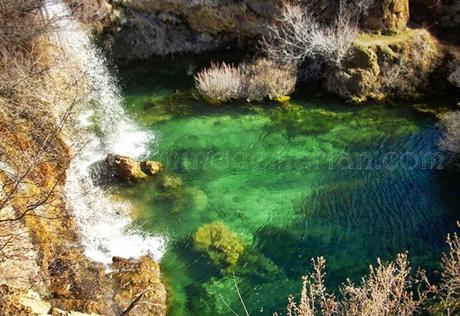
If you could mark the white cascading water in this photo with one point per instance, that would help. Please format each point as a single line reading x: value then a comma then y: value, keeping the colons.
x: 104, y: 127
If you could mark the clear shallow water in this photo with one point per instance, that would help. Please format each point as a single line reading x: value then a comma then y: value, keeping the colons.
x: 313, y: 177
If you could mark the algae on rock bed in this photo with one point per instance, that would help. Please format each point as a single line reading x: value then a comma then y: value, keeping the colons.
x: 223, y: 246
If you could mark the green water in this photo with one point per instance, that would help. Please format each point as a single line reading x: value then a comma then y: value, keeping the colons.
x: 315, y: 177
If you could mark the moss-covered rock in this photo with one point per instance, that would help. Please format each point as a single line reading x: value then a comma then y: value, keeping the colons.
x: 381, y: 66
x: 223, y: 246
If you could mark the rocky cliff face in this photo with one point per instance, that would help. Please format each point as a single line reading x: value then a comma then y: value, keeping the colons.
x: 382, y: 66
x: 387, y: 17
x: 139, y: 29
x: 441, y: 17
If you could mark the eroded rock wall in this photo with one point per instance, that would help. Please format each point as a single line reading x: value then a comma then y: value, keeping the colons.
x: 382, y: 66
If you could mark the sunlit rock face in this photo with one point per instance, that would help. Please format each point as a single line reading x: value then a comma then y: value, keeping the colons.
x: 243, y: 18
x: 387, y: 66
x: 387, y: 16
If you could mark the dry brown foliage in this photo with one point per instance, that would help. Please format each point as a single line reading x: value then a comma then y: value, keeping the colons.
x: 254, y: 81
x: 219, y: 83
x: 266, y: 79
x: 449, y: 289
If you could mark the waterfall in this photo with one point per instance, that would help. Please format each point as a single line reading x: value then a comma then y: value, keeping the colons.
x: 105, y: 225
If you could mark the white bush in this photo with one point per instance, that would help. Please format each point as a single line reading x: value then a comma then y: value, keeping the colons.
x: 254, y: 81
x: 219, y: 83
x: 299, y: 35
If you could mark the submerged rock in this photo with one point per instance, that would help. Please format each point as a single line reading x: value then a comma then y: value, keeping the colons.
x: 170, y: 184
x: 171, y: 193
x: 130, y: 170
x: 223, y: 246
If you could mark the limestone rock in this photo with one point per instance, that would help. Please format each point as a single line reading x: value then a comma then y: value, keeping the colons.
x: 240, y: 18
x: 151, y: 168
x: 387, y: 16
x: 22, y: 302
x: 387, y: 66
x: 137, y: 286
x: 130, y: 170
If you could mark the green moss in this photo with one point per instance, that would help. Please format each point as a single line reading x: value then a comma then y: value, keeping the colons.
x: 223, y: 246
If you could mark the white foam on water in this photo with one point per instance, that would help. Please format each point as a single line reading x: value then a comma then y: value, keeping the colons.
x: 103, y: 126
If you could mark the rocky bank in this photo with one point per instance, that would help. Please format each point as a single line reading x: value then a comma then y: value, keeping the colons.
x: 402, y: 41
x: 404, y: 46
x: 49, y: 274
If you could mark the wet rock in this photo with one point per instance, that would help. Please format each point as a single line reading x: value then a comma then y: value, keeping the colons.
x: 151, y: 168
x: 130, y: 170
x: 138, y: 288
x: 77, y: 283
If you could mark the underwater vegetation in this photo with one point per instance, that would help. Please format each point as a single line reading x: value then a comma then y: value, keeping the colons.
x: 223, y: 246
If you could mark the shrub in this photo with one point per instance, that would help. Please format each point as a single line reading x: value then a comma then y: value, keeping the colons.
x: 258, y: 80
x: 219, y: 83
x: 449, y: 290
x: 387, y: 290
x: 299, y: 36
x: 223, y: 246
x: 265, y: 78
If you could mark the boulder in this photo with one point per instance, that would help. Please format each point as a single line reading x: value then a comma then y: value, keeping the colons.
x: 150, y: 167
x: 381, y: 66
x: 131, y: 170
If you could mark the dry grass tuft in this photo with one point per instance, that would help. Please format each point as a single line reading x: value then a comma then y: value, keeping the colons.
x: 219, y: 83
x: 255, y: 81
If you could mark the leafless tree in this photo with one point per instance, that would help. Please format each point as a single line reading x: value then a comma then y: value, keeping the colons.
x: 299, y: 36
